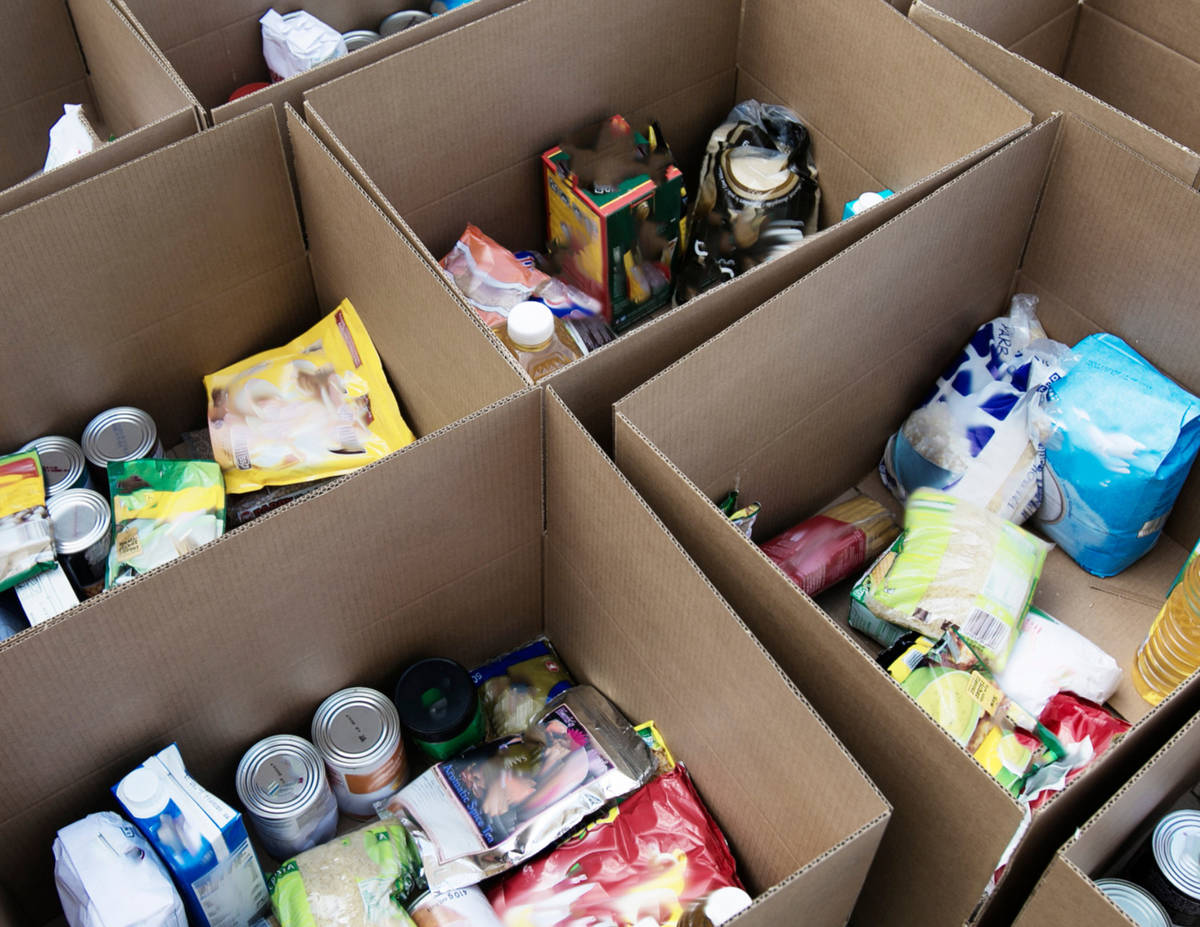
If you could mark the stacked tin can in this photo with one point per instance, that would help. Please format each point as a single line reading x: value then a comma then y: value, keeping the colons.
x: 357, y: 734
x: 281, y: 782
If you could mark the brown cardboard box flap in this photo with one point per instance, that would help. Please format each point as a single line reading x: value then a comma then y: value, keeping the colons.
x: 1045, y: 92
x: 153, y: 299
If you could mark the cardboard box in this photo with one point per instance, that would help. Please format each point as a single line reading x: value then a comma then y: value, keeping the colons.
x: 507, y: 525
x: 1067, y: 895
x: 799, y: 399
x: 441, y: 144
x: 135, y: 284
x: 215, y: 48
x: 1130, y: 67
x: 79, y: 51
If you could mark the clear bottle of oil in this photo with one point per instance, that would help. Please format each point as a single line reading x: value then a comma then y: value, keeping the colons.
x: 540, y: 342
x: 1171, y: 651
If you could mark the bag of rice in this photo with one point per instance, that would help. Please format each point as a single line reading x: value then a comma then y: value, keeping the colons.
x: 365, y: 878
x: 956, y: 565
x: 973, y: 436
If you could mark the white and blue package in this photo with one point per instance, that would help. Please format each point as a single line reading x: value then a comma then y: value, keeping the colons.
x: 1122, y: 440
x: 972, y: 436
x: 202, y: 840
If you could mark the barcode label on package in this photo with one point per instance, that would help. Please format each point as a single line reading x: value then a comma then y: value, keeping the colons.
x: 985, y: 629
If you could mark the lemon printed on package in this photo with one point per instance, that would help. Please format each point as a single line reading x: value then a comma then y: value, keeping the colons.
x: 318, y: 407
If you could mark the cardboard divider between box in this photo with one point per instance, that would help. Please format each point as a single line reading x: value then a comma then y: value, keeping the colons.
x: 216, y: 48
x: 1130, y: 67
x: 137, y: 283
x: 80, y: 52
x: 1067, y: 893
x: 245, y: 637
x: 799, y: 398
x: 441, y: 145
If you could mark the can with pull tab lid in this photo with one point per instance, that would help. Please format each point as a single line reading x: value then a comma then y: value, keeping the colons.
x: 63, y: 464
x: 82, y: 522
x: 1142, y: 907
x: 357, y: 733
x: 1168, y: 865
x: 282, y: 785
x: 123, y: 433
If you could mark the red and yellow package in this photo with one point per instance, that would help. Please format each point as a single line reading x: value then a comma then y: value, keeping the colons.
x: 643, y: 863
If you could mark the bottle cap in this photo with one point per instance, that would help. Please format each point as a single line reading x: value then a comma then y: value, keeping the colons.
x: 142, y: 793
x: 530, y: 324
x: 725, y: 903
x: 866, y: 201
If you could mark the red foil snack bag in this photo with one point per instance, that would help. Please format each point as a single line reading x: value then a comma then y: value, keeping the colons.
x: 1085, y: 729
x: 644, y: 862
x: 823, y: 550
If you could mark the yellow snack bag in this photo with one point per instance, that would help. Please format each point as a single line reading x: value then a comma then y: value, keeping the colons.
x: 318, y: 407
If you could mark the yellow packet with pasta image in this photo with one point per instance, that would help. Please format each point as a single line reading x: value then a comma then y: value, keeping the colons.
x: 318, y: 407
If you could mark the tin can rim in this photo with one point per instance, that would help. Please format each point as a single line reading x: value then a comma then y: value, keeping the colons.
x: 1165, y: 832
x: 123, y: 414
x: 405, y: 17
x: 1120, y: 890
x: 260, y: 805
x: 356, y: 696
x: 79, y: 497
x: 68, y: 448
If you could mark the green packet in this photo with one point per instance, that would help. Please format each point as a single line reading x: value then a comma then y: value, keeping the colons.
x: 955, y: 565
x: 366, y: 877
x: 950, y: 681
x: 743, y: 517
x: 162, y: 509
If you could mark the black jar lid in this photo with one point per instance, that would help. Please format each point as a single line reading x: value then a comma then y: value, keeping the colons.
x: 436, y: 699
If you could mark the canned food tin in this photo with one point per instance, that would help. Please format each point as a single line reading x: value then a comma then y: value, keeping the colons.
x: 281, y: 782
x: 123, y: 433
x: 357, y: 733
x: 398, y: 22
x: 1142, y: 907
x: 63, y: 463
x: 1169, y: 866
x: 359, y: 38
x: 454, y: 909
x: 82, y: 523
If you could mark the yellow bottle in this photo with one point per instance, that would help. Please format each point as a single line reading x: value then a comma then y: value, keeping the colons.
x: 540, y: 342
x: 1171, y: 651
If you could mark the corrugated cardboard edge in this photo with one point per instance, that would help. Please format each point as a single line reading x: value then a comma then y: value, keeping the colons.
x: 963, y: 41
x: 864, y: 840
x: 150, y: 575
x: 148, y: 41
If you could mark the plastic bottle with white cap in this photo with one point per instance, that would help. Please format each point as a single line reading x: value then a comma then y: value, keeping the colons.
x: 540, y: 342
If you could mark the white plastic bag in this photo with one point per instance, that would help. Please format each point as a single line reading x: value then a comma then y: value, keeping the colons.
x: 1049, y: 658
x: 108, y: 876
x: 71, y: 137
x: 298, y: 42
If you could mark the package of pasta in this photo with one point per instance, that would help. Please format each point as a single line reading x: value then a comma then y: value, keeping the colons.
x: 26, y: 536
x: 956, y: 565
x: 497, y: 805
x: 643, y: 863
x: 318, y: 407
x: 162, y: 509
x: 829, y: 547
x: 365, y: 878
x: 514, y: 688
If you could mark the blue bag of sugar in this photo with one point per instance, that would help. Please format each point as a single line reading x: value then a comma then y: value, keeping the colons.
x: 1121, y: 440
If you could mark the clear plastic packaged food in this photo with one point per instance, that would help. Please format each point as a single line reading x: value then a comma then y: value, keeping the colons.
x: 318, y: 407
x: 495, y: 806
x: 974, y: 437
x: 955, y: 565
x: 823, y: 550
x: 365, y: 878
x: 758, y: 196
x: 162, y: 509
